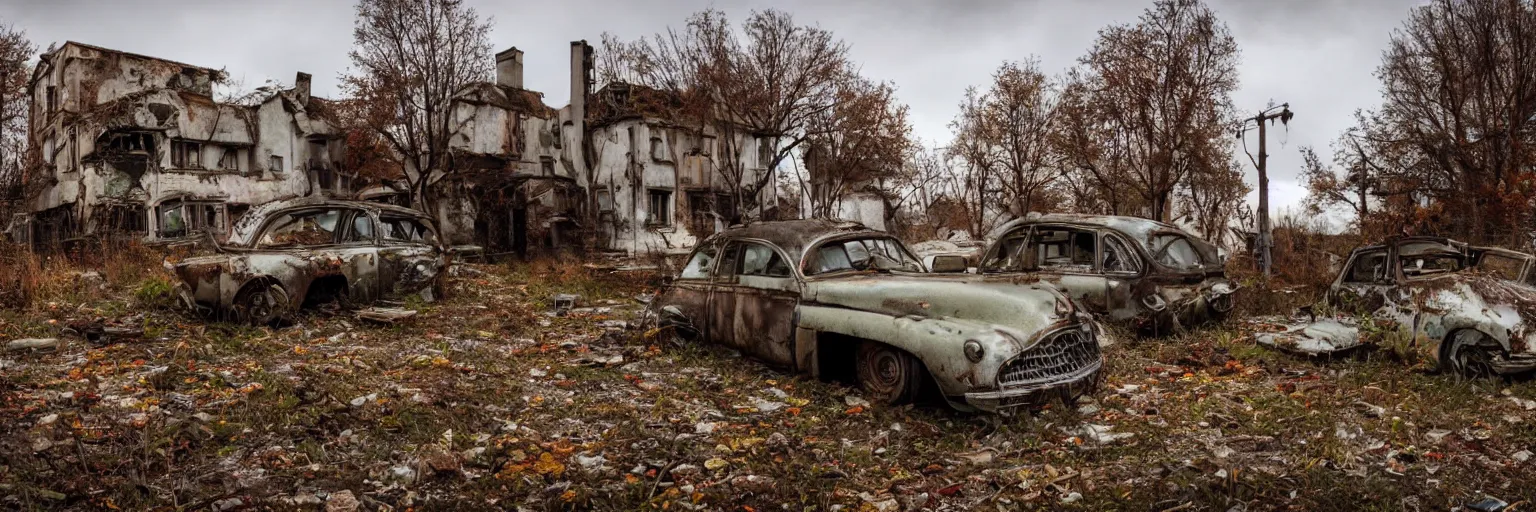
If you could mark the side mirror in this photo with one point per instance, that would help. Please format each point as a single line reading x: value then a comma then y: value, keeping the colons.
x: 946, y: 264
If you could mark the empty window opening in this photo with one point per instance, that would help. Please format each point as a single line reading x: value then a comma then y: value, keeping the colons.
x: 660, y: 213
x: 186, y: 154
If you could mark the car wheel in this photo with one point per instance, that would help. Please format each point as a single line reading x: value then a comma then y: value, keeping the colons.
x: 888, y: 375
x: 1471, y: 354
x: 261, y: 303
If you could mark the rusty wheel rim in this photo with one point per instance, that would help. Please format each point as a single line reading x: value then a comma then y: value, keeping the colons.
x: 883, y: 373
x: 1471, y: 358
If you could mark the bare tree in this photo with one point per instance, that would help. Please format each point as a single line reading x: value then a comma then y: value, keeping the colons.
x: 1209, y: 199
x: 1458, y: 120
x: 409, y: 58
x: 858, y: 143
x: 1149, y: 104
x: 1014, y: 120
x: 767, y: 82
x: 980, y: 165
x: 15, y: 52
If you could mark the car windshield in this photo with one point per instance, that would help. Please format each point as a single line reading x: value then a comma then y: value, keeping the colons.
x: 872, y: 253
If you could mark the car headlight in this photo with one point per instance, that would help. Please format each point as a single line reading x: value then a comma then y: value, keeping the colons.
x: 973, y: 351
x: 1154, y: 302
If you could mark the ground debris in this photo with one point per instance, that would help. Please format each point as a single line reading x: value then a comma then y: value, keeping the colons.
x: 385, y: 315
x: 32, y: 343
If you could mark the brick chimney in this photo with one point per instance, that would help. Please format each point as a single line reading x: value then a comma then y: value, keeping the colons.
x: 301, y: 87
x: 509, y: 68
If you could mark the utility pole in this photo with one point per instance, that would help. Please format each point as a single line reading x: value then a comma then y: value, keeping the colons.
x: 1265, y: 242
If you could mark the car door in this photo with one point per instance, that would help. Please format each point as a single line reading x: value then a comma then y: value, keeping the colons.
x: 1068, y: 256
x: 1368, y: 277
x: 410, y: 260
x: 763, y: 293
x: 315, y: 255
x: 1122, y: 266
x: 685, y: 304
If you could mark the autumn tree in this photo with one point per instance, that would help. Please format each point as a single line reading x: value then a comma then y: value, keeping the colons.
x: 1150, y: 105
x: 974, y: 181
x: 15, y: 52
x: 1012, y: 123
x: 1457, y: 124
x: 1350, y: 179
x: 409, y: 58
x: 858, y: 143
x: 766, y: 83
x: 1210, y: 199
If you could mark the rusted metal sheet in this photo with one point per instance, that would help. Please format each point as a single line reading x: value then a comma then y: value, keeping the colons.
x: 792, y: 293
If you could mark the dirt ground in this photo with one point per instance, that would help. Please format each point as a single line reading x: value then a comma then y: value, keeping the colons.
x: 488, y: 401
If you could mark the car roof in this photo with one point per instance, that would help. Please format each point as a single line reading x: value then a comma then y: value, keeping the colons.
x: 795, y: 236
x: 245, y: 229
x: 1136, y: 227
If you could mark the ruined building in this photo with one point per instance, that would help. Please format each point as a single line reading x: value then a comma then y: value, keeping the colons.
x: 609, y: 168
x: 136, y: 145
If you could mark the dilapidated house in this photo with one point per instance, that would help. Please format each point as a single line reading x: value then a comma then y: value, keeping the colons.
x: 135, y: 145
x: 612, y: 168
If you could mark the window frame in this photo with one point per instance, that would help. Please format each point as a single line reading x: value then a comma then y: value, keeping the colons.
x: 426, y: 226
x: 1387, y: 276
x: 342, y: 223
x: 1130, y: 248
x: 182, y: 150
x: 714, y: 261
x: 191, y: 224
x: 668, y: 218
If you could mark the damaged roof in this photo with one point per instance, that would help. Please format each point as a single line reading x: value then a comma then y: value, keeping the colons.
x: 508, y: 98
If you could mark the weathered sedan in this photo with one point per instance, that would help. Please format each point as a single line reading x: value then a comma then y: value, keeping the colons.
x: 1471, y: 303
x: 839, y: 300
x: 1150, y: 274
x: 287, y: 254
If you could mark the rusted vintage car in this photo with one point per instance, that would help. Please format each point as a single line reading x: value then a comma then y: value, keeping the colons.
x: 1472, y: 303
x: 835, y: 299
x: 1147, y: 273
x: 287, y: 254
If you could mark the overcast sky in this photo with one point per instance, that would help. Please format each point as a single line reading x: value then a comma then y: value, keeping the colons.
x: 1317, y: 55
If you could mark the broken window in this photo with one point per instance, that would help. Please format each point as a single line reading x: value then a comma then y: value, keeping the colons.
x: 882, y: 253
x: 1177, y: 251
x: 275, y: 163
x: 362, y: 229
x: 125, y: 218
x: 53, y: 99
x: 1501, y: 266
x: 660, y: 208
x: 604, y: 200
x: 1067, y: 250
x: 1369, y: 267
x: 230, y: 161
x: 658, y: 150
x: 305, y: 228
x: 135, y: 143
x: 702, y: 264
x: 1119, y: 258
x: 765, y: 151
x: 762, y: 260
x: 186, y: 154
x: 182, y: 218
x: 547, y: 165
x: 405, y: 229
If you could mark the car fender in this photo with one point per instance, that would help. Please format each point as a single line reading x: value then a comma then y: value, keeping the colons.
x: 937, y: 342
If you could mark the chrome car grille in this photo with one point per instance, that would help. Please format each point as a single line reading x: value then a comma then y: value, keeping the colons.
x: 1062, y: 355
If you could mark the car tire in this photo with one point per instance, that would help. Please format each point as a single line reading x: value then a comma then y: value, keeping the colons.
x: 889, y: 375
x: 1471, y: 354
x: 261, y: 303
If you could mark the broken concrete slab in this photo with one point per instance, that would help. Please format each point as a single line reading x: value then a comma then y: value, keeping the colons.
x: 33, y: 343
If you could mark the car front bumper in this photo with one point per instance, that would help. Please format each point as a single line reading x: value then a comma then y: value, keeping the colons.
x: 1080, y: 383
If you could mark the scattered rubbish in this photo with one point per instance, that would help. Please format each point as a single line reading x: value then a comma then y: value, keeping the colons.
x: 1099, y: 434
x: 979, y: 457
x: 1488, y: 504
x: 32, y: 343
x: 342, y: 501
x: 854, y: 401
x: 1323, y: 337
x: 385, y: 315
x: 564, y: 302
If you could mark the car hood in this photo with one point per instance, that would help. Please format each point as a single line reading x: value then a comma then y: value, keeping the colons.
x: 1028, y: 307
